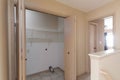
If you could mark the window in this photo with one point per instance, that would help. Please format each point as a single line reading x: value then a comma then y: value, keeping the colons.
x: 108, y: 33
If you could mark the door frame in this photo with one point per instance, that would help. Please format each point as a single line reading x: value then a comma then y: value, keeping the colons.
x: 91, y: 20
x: 64, y: 39
x: 12, y: 66
x: 21, y: 72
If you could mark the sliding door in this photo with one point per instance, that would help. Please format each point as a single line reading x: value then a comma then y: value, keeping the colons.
x: 70, y: 48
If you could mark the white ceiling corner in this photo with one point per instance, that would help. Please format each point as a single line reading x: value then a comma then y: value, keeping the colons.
x: 85, y: 5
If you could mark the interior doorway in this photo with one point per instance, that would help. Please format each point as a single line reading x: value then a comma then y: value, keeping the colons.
x: 50, y: 33
x: 44, y: 46
x: 101, y: 36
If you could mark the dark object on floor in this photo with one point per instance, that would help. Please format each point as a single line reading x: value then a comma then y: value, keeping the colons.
x: 51, y: 69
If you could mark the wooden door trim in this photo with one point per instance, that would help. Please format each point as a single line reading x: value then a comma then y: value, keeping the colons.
x: 11, y: 44
x: 21, y: 39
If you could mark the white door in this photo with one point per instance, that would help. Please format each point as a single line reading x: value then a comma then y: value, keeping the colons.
x: 92, y: 38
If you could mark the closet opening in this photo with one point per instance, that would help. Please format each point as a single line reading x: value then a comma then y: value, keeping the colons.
x: 101, y: 34
x: 44, y: 46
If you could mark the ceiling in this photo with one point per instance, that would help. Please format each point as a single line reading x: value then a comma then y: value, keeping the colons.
x: 85, y: 5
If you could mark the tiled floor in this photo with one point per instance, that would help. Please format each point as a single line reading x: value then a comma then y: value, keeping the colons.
x: 47, y: 75
x: 57, y: 75
x: 84, y: 77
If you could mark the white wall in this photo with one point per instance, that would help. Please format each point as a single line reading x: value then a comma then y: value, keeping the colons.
x: 40, y: 60
x: 44, y: 31
x: 41, y: 21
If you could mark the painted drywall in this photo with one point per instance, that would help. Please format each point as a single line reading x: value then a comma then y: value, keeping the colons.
x: 3, y: 41
x: 53, y: 7
x: 41, y: 21
x: 44, y: 31
x: 112, y: 8
x: 39, y: 60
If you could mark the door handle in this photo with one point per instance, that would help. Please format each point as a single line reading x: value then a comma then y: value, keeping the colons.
x: 25, y: 59
x: 68, y: 53
x: 94, y: 47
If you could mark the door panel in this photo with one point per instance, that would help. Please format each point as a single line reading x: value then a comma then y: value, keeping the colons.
x: 20, y: 39
x: 92, y: 33
x: 70, y: 48
x: 92, y: 41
